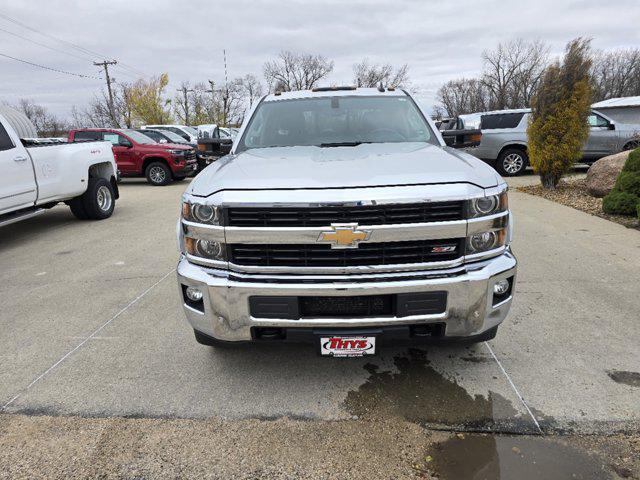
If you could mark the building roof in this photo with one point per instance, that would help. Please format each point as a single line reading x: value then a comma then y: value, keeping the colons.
x: 618, y: 102
x: 19, y: 121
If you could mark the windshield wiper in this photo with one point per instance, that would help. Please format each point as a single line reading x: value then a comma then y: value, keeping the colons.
x: 340, y: 144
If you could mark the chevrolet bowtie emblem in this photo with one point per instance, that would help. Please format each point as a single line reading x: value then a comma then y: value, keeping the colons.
x: 344, y: 235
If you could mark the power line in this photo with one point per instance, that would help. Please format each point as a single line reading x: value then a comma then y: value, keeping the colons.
x: 49, y: 68
x: 45, y: 46
x: 82, y: 49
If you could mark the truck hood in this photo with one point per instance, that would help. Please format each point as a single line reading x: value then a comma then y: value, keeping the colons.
x: 366, y: 165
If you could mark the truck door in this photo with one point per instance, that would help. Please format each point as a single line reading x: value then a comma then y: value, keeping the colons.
x: 123, y: 151
x: 602, y: 138
x: 17, y: 180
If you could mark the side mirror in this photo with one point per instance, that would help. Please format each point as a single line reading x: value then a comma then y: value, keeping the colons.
x: 124, y: 143
x: 462, y: 138
x: 225, y: 147
x: 612, y: 126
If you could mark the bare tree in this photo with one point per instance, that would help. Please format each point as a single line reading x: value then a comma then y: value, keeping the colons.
x: 296, y: 71
x: 616, y: 74
x: 47, y: 124
x: 465, y: 95
x: 366, y: 74
x: 252, y: 88
x: 182, y: 103
x: 512, y: 72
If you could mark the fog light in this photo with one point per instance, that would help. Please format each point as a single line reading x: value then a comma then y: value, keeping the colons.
x: 501, y: 287
x: 194, y: 294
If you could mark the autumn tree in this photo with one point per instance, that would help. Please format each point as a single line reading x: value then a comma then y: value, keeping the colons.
x: 148, y: 102
x: 558, y: 127
x: 296, y: 71
x: 366, y: 74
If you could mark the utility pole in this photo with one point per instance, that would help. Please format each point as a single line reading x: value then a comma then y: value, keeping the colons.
x: 105, y: 64
x: 185, y: 95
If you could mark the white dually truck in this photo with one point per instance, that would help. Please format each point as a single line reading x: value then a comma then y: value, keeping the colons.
x: 36, y: 175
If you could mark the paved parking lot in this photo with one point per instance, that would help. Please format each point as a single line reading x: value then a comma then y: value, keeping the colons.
x: 91, y: 325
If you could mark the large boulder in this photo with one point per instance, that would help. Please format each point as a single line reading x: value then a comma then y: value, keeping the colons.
x: 602, y: 175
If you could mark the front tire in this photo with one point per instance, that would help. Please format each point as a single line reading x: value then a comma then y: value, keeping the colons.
x: 512, y: 162
x: 96, y: 203
x: 158, y: 174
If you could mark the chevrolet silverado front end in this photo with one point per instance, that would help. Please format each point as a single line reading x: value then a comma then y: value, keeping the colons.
x: 341, y: 217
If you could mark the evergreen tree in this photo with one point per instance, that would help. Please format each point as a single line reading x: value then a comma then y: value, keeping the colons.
x: 558, y: 126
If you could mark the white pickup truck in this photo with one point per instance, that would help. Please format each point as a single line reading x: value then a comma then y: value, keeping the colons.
x: 36, y: 175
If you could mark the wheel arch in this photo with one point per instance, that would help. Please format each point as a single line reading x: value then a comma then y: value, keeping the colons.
x: 514, y: 146
x: 105, y: 170
x: 147, y: 160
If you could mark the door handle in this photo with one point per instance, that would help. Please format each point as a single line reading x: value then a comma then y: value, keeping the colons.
x: 20, y: 159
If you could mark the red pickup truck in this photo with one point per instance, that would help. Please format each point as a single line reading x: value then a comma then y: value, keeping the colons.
x: 139, y: 156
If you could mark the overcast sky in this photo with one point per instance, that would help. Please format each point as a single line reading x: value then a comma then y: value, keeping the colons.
x: 440, y: 40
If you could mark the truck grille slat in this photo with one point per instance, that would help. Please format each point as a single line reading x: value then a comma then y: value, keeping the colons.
x: 363, y: 215
x: 316, y: 255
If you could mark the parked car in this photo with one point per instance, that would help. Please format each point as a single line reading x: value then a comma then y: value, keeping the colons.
x: 37, y: 175
x: 504, y: 139
x: 164, y: 136
x: 139, y: 156
x: 190, y: 134
x: 342, y: 218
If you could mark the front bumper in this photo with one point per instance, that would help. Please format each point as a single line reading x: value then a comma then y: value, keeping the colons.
x: 470, y: 309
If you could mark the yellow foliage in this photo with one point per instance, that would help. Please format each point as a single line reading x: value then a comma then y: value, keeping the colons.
x: 558, y: 127
x: 147, y: 103
x: 555, y: 141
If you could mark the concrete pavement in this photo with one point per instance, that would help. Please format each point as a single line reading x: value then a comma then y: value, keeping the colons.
x: 91, y: 325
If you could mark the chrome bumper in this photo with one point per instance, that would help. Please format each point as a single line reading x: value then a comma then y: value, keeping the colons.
x: 469, y: 288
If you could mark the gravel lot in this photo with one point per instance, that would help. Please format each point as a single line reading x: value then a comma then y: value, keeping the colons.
x: 99, y: 373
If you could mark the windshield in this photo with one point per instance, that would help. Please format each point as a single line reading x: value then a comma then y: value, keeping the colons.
x: 138, y: 137
x: 191, y: 131
x: 336, y: 121
x: 173, y: 137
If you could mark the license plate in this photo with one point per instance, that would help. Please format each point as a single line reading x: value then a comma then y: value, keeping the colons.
x: 341, y: 346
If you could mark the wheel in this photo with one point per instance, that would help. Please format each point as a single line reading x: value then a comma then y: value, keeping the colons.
x: 512, y: 162
x: 632, y: 145
x: 158, y: 174
x: 77, y: 208
x: 96, y: 203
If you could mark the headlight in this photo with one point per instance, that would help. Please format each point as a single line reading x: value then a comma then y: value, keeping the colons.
x: 485, y: 241
x: 483, y: 206
x: 201, y: 213
x: 208, y: 249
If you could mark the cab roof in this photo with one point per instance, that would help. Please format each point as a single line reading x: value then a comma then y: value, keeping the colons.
x: 334, y: 92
